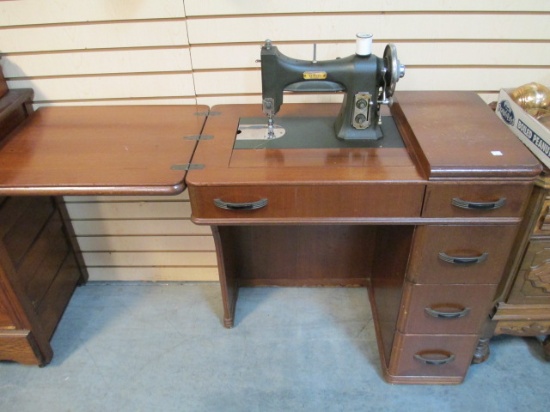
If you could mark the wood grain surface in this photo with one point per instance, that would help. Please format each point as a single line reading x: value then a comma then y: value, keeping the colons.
x: 100, y: 150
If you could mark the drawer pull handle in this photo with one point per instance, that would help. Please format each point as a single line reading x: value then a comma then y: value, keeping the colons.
x: 435, y: 357
x: 465, y: 204
x: 460, y: 260
x: 441, y: 314
x: 240, y: 206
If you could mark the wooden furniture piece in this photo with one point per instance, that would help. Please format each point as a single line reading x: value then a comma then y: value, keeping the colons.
x: 523, y: 303
x: 70, y: 151
x: 428, y: 227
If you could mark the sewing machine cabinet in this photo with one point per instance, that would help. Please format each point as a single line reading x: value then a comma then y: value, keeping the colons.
x: 383, y: 218
x: 428, y: 227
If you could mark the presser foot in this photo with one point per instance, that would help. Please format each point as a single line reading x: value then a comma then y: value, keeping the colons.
x: 270, y: 128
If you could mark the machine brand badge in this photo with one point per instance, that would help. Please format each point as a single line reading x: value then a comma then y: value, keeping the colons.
x: 506, y: 112
x: 315, y: 75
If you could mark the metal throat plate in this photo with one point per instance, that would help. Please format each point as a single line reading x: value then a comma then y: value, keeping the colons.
x: 308, y: 132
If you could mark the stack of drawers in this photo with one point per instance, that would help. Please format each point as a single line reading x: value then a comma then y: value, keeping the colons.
x: 452, y: 277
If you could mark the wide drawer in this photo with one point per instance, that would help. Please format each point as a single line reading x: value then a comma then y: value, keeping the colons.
x: 432, y: 358
x: 460, y: 254
x: 304, y: 202
x: 476, y: 200
x: 441, y: 309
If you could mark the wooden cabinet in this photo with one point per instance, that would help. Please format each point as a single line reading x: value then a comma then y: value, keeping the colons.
x: 428, y: 226
x: 523, y: 304
x: 38, y: 274
x: 56, y: 151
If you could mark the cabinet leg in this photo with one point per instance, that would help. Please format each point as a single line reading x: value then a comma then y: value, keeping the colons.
x: 482, y: 351
x: 226, y: 271
x: 228, y: 321
x: 229, y: 299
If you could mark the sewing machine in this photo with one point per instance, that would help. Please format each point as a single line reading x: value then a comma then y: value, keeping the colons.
x: 367, y: 81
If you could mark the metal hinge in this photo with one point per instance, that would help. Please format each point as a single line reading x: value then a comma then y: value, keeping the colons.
x: 188, y: 166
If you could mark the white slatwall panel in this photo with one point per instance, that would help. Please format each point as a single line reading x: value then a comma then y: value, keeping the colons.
x: 83, y: 63
x: 432, y: 53
x: 154, y: 243
x: 251, y: 7
x: 188, y: 51
x: 93, y: 36
x: 418, y: 26
x: 142, y: 238
x: 154, y: 274
x: 34, y: 12
x: 74, y: 52
x: 99, y: 52
x: 108, y: 87
x: 448, y: 78
x: 467, y: 45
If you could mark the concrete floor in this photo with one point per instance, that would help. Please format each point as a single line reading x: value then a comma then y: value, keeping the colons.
x: 158, y: 347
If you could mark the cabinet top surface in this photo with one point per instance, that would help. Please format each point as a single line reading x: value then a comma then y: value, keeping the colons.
x: 226, y: 164
x: 100, y: 150
x: 456, y: 135
x: 447, y: 136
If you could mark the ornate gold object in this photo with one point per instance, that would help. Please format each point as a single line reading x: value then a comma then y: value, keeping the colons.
x: 532, y: 96
x: 545, y: 120
x: 538, y: 113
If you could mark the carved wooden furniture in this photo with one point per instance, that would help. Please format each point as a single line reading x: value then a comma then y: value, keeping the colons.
x: 523, y: 307
x: 61, y: 151
x: 428, y: 227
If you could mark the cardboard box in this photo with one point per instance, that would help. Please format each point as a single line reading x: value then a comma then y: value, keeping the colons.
x: 529, y: 130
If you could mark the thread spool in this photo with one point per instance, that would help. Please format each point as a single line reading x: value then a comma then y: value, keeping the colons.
x: 363, y: 44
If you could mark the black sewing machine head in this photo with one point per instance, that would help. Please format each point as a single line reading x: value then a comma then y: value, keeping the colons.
x: 366, y: 80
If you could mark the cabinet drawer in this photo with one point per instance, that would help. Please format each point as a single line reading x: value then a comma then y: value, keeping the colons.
x: 440, y: 309
x: 304, y: 202
x: 432, y: 356
x: 473, y: 201
x: 460, y: 254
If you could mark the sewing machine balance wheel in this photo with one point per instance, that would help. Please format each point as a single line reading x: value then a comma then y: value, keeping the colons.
x: 394, y: 69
